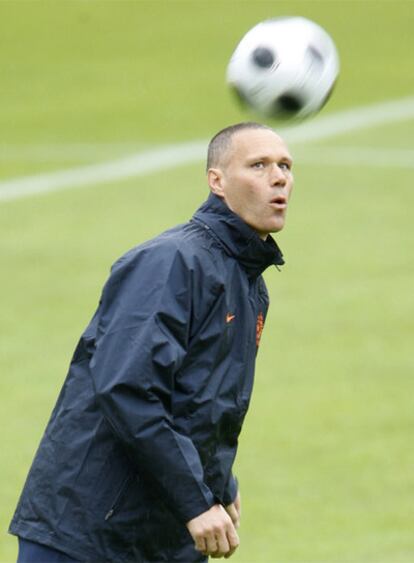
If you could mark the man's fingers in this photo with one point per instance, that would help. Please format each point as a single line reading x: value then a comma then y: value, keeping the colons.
x: 233, y: 513
x: 212, y: 545
x: 234, y: 542
x: 223, y: 544
x: 237, y: 503
x: 200, y: 544
x: 213, y: 532
x: 233, y: 538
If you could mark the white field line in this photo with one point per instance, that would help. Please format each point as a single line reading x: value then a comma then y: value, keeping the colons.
x: 171, y: 156
x: 66, y: 152
x: 350, y: 156
x: 352, y: 120
x: 145, y: 162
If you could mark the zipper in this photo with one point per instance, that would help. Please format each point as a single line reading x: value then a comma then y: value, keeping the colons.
x: 119, y: 497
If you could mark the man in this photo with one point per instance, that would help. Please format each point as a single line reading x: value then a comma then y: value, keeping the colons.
x: 136, y: 461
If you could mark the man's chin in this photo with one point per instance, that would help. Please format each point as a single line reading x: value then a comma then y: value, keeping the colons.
x: 273, y: 227
x: 264, y: 234
x: 278, y: 227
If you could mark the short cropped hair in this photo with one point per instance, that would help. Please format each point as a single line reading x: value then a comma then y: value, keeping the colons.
x: 221, y: 141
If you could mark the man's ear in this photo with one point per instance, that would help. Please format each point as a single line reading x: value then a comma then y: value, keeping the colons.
x: 215, y: 180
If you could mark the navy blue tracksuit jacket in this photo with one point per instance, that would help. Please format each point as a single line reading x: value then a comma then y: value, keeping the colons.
x: 144, y: 433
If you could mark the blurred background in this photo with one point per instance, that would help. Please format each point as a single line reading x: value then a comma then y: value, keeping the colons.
x: 326, y: 459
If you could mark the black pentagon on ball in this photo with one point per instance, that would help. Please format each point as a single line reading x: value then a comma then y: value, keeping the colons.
x: 263, y: 57
x: 288, y: 103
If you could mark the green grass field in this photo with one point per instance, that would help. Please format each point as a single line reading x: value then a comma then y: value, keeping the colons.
x: 326, y: 458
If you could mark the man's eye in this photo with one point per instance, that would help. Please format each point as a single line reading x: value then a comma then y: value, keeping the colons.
x: 284, y: 166
x: 258, y: 164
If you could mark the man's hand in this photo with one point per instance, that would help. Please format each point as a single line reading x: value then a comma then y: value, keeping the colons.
x: 234, y: 510
x: 214, y: 533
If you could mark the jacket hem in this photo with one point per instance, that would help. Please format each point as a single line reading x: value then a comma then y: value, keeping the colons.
x: 49, y: 539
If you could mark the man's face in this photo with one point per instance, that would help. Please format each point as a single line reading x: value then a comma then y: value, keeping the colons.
x: 255, y: 179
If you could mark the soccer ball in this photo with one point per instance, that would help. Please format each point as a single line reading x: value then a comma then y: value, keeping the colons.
x: 284, y: 68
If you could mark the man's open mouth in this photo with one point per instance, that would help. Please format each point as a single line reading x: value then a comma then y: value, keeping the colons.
x: 280, y: 202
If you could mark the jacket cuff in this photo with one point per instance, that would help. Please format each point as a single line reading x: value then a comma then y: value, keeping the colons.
x: 189, y: 510
x: 230, y: 491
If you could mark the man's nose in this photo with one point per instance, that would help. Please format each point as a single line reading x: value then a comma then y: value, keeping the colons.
x: 278, y: 177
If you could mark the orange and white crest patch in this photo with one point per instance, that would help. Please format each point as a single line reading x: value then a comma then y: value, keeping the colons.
x: 259, y: 327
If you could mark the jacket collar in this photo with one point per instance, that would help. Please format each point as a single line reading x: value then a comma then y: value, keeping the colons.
x: 238, y: 238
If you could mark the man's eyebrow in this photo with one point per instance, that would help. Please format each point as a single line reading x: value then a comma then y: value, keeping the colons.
x: 287, y: 158
x: 262, y: 156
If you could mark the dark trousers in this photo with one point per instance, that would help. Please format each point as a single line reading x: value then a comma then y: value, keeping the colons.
x: 32, y: 552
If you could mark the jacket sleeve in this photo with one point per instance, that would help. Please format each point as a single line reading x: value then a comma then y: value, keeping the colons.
x: 230, y: 492
x: 142, y: 339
